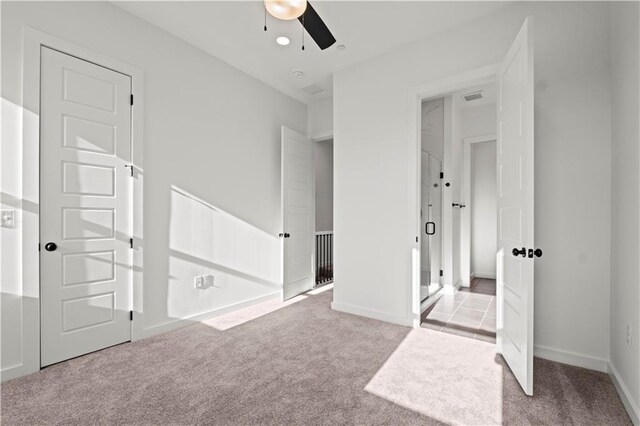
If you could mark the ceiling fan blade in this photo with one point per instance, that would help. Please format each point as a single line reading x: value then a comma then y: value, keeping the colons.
x: 317, y: 29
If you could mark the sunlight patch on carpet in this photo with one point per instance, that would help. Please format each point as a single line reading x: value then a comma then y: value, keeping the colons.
x: 452, y: 379
x: 241, y: 316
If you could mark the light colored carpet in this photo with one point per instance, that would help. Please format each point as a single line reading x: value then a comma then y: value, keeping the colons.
x: 305, y: 364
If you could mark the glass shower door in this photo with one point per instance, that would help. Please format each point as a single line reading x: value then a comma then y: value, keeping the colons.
x: 435, y: 217
x: 431, y: 214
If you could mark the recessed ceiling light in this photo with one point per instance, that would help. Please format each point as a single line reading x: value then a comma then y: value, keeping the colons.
x: 298, y: 73
x: 282, y: 40
x: 341, y: 47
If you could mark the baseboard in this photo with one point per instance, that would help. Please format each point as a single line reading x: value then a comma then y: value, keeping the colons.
x: 14, y: 372
x: 461, y: 284
x: 450, y: 290
x: 487, y: 276
x: 571, y: 358
x: 179, y: 323
x: 430, y: 300
x: 371, y: 313
x: 625, y: 396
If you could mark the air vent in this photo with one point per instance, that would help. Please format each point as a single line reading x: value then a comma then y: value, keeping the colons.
x: 473, y: 96
x: 313, y: 88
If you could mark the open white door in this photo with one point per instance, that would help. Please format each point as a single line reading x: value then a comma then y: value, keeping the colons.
x: 515, y: 208
x: 298, y: 215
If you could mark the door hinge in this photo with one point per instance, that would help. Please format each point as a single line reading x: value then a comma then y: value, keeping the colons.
x: 130, y: 315
x: 130, y: 167
x: 131, y: 99
x: 441, y: 273
x: 416, y: 238
x: 441, y: 175
x: 131, y: 242
x: 38, y: 246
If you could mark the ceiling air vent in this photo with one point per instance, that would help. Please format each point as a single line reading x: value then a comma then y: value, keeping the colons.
x: 313, y: 88
x: 473, y: 96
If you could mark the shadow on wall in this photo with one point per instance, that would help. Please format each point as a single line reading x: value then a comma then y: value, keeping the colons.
x: 244, y: 260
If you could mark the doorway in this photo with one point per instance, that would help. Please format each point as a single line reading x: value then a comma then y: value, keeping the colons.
x: 461, y: 127
x: 307, y: 213
x: 481, y: 217
x: 323, y: 178
x: 431, y: 158
x: 85, y: 207
x: 515, y: 200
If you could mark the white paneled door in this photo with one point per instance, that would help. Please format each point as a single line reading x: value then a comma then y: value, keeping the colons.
x: 85, y: 207
x: 298, y: 214
x: 515, y: 208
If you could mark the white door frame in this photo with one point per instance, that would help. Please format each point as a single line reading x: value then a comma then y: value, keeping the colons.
x: 465, y: 226
x: 29, y: 131
x: 417, y: 94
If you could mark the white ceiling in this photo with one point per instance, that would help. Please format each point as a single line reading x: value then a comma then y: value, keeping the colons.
x: 233, y: 32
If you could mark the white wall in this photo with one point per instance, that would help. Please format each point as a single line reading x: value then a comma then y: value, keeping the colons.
x: 320, y: 119
x: 483, y: 209
x: 573, y: 151
x: 478, y: 121
x: 323, y: 159
x: 201, y: 159
x: 625, y: 193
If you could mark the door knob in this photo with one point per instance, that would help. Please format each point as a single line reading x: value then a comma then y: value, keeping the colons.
x: 50, y: 246
x: 285, y: 235
x: 537, y: 252
x: 522, y: 252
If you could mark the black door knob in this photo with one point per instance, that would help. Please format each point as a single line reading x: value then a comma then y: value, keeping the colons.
x: 50, y: 247
x: 537, y: 252
x: 286, y: 235
x: 522, y: 252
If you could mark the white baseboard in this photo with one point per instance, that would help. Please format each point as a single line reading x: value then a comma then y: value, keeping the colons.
x: 370, y: 313
x: 450, y: 289
x: 179, y: 323
x: 625, y: 396
x: 461, y: 284
x: 571, y: 358
x: 14, y: 372
x: 487, y: 276
x: 430, y: 300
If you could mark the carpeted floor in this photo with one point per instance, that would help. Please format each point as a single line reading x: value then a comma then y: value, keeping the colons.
x: 303, y: 363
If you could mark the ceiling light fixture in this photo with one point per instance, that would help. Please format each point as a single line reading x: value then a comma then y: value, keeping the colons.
x: 283, y: 41
x: 285, y: 9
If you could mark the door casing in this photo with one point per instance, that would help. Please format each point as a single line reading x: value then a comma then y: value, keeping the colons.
x: 465, y: 231
x: 29, y: 134
x: 417, y: 94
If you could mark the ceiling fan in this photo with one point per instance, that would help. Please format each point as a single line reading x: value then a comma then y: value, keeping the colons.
x: 306, y: 14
